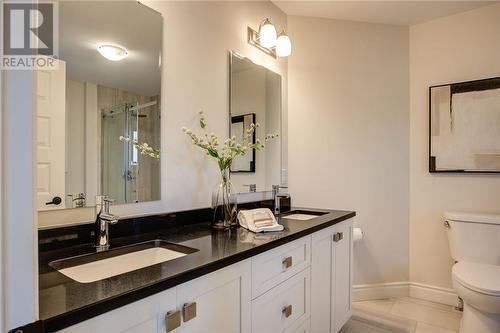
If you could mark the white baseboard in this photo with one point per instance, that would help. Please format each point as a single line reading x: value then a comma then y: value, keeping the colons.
x: 433, y: 293
x: 364, y: 292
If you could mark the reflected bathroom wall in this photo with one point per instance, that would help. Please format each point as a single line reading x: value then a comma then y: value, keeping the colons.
x: 255, y: 96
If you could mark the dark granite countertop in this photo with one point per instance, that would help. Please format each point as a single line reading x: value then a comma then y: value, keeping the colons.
x: 64, y: 302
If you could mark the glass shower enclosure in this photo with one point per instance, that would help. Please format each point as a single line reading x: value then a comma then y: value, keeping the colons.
x: 126, y: 175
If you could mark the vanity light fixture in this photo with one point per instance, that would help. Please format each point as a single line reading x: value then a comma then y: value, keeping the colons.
x: 267, y: 34
x: 112, y: 52
x: 267, y: 40
x: 283, y: 45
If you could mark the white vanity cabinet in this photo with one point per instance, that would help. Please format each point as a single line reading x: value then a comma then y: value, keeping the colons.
x: 331, y: 277
x: 222, y: 301
x: 300, y: 287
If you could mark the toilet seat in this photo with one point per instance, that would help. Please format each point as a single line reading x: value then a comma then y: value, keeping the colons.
x: 481, y: 278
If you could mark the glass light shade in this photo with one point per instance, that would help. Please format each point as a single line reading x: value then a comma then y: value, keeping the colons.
x: 283, y: 45
x: 112, y: 52
x: 267, y: 34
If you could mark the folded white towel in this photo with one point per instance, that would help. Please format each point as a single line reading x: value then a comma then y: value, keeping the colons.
x: 259, y: 220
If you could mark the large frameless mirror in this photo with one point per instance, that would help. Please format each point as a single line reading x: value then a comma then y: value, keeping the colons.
x: 255, y: 97
x: 98, y: 114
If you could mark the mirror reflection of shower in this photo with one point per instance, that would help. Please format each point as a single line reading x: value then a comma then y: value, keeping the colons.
x: 128, y: 176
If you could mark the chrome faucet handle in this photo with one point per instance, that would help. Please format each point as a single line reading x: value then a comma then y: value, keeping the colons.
x: 251, y: 187
x: 110, y: 218
x: 106, y: 201
x: 276, y: 189
x: 100, y: 198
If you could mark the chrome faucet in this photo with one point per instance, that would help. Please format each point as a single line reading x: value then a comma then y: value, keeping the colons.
x: 276, y: 198
x: 103, y: 219
x: 251, y: 187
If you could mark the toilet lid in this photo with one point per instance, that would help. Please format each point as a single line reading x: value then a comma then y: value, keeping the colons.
x: 482, y: 278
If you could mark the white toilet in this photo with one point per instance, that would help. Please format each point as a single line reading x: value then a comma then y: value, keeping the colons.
x: 474, y: 241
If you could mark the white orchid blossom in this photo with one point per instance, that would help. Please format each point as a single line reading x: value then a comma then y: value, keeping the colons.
x: 230, y: 149
x: 143, y: 147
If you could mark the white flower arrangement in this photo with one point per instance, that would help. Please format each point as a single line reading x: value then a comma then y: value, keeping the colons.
x: 230, y: 149
x: 143, y: 147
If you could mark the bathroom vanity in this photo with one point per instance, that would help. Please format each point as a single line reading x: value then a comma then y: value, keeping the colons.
x: 297, y: 280
x: 170, y: 272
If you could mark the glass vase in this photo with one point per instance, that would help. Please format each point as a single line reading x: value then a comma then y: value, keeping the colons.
x: 224, y: 203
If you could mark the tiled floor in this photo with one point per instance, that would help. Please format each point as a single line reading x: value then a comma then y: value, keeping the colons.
x: 405, y: 315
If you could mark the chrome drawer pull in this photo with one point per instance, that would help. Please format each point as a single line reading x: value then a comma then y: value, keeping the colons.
x: 337, y: 237
x: 287, y: 262
x: 188, y: 311
x: 287, y: 311
x: 172, y: 320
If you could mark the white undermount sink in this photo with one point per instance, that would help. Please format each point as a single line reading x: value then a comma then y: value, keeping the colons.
x: 302, y: 217
x: 103, y: 265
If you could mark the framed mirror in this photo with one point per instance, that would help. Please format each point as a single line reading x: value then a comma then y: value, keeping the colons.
x: 255, y: 96
x: 464, y: 133
x: 98, y: 114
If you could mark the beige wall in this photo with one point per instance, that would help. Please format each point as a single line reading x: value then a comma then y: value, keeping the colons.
x: 457, y: 48
x: 197, y: 38
x: 349, y: 134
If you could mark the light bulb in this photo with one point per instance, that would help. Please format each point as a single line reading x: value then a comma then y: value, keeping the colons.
x: 267, y: 34
x: 112, y: 52
x: 283, y: 45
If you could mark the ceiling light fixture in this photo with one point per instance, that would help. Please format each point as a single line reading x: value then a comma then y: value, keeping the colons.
x: 267, y: 40
x: 112, y: 52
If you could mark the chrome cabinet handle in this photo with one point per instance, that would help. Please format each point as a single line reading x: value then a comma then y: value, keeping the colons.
x: 287, y: 311
x: 172, y: 320
x: 337, y: 237
x: 287, y: 262
x: 188, y: 311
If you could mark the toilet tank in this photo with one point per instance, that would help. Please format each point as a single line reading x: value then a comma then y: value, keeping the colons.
x: 473, y: 237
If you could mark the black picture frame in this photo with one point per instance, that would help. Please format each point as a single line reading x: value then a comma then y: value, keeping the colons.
x: 464, y: 86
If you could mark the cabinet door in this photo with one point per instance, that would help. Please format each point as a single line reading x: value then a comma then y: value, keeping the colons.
x: 321, y: 280
x: 331, y: 278
x: 137, y: 317
x: 167, y: 302
x: 342, y: 275
x: 222, y: 300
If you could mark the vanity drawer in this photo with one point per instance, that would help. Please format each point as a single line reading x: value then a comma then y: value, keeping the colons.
x: 300, y: 327
x: 273, y: 267
x: 283, y: 307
